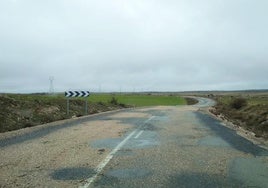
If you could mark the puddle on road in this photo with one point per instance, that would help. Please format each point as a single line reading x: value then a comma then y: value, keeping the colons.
x: 187, y: 140
x: 161, y: 118
x: 121, y: 178
x: 125, y: 152
x: 145, y: 140
x: 131, y: 144
x: 229, y: 136
x: 150, y: 127
x: 131, y: 121
x: 156, y: 112
x: 129, y: 173
x: 213, y: 141
x: 200, y: 180
x: 253, y: 172
x: 72, y: 173
x: 106, y: 143
x: 139, y: 144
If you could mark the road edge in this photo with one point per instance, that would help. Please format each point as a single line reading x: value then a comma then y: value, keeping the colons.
x: 27, y: 130
x: 250, y: 136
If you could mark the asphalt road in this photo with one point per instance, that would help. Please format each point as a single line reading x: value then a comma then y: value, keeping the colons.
x: 146, y: 147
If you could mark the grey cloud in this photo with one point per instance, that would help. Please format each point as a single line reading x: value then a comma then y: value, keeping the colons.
x: 146, y: 45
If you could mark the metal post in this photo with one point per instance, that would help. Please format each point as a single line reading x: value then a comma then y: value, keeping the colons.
x: 68, y: 107
x: 86, y: 106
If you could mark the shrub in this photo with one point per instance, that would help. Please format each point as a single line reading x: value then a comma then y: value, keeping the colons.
x: 114, y: 101
x: 191, y: 101
x: 238, y: 103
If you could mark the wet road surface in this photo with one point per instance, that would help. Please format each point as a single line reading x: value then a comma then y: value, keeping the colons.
x: 157, y: 147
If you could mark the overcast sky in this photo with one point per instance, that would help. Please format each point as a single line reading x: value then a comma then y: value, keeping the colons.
x: 133, y: 45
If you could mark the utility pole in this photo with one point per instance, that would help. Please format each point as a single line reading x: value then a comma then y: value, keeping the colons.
x: 51, y: 86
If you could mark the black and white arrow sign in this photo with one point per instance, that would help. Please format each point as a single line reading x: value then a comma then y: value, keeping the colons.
x: 77, y: 93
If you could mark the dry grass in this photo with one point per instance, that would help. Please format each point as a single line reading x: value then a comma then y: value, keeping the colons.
x: 20, y: 111
x: 252, y: 114
x: 26, y: 110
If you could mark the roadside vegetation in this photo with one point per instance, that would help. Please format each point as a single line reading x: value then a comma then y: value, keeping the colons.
x: 26, y: 110
x: 19, y: 111
x: 247, y: 111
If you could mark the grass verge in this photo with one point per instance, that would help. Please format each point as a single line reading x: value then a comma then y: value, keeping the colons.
x: 19, y: 111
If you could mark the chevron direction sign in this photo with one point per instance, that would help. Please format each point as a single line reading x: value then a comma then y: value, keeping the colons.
x: 77, y: 93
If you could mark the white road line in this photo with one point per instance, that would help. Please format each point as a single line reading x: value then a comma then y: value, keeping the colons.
x: 102, y: 165
x: 149, y: 119
x: 137, y: 136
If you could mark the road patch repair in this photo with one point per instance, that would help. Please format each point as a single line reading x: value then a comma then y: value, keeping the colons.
x: 57, y: 155
x: 72, y: 173
x: 143, y: 147
x: 120, y: 145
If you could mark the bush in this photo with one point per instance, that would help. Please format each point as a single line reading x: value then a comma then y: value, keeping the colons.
x: 114, y: 101
x: 238, y: 103
x: 191, y: 101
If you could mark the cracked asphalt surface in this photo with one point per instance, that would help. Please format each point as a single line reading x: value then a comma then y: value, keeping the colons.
x: 177, y: 146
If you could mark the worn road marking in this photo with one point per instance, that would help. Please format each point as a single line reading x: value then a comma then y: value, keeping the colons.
x: 102, y: 165
x: 137, y: 136
x: 143, y: 125
x: 149, y: 119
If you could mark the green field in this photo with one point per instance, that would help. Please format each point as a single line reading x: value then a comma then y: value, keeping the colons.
x: 139, y: 100
x: 27, y: 110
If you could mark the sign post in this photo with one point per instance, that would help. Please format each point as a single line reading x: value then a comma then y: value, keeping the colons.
x: 68, y: 106
x: 69, y: 94
x: 86, y: 106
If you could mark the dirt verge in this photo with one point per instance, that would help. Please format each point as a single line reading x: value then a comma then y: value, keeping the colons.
x: 250, y: 119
